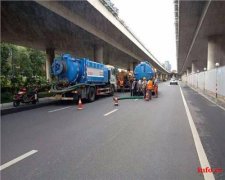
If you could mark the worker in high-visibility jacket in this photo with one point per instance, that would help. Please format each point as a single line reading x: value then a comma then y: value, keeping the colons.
x: 149, y: 89
x: 121, y: 84
x: 155, y: 80
x: 144, y: 87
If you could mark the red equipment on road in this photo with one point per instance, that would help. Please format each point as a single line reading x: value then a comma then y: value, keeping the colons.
x: 25, y: 96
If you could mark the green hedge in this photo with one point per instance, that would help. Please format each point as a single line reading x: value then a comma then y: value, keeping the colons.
x: 6, y: 97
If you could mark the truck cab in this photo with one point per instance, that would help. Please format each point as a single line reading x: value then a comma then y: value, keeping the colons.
x: 112, y: 76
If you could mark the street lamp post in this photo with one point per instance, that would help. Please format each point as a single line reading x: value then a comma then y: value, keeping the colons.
x: 197, y: 78
x: 204, y: 78
x: 217, y: 65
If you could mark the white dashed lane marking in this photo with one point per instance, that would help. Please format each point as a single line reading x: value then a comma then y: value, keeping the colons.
x: 110, y: 112
x: 59, y: 109
x: 20, y: 158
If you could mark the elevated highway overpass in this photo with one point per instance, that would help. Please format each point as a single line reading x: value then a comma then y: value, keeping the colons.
x: 83, y: 28
x: 200, y: 32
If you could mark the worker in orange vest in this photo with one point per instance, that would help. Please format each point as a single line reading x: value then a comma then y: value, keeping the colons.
x: 121, y: 84
x: 143, y: 87
x: 155, y: 82
x: 149, y: 89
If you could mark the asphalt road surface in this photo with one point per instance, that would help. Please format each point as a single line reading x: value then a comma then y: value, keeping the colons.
x: 134, y: 141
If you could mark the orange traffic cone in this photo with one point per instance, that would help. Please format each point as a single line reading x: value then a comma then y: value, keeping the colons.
x: 147, y: 96
x: 116, y: 103
x: 80, y: 105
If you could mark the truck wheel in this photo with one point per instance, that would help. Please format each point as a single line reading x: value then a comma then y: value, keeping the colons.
x: 112, y: 89
x: 16, y: 103
x: 91, y: 95
x: 75, y: 98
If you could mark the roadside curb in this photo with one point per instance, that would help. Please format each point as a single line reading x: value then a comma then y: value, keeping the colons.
x: 26, y: 107
x: 207, y: 97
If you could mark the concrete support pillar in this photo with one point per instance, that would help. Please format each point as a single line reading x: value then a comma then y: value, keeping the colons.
x: 184, y: 77
x: 134, y: 65
x: 188, y: 71
x: 107, y: 57
x: 216, y: 51
x: 161, y: 77
x: 50, y: 57
x: 193, y: 67
x: 130, y: 66
x: 98, y: 53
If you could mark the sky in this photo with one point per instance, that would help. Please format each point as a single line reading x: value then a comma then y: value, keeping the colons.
x: 152, y: 22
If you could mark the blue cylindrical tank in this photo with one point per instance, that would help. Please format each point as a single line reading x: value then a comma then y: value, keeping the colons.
x: 79, y: 70
x: 66, y: 68
x: 144, y: 69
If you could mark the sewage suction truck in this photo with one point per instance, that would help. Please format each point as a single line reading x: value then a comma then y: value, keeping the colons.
x: 81, y: 78
x: 144, y: 69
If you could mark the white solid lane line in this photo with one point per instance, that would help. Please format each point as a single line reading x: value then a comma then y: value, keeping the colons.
x: 136, y: 99
x: 203, y: 95
x: 110, y: 112
x: 10, y: 163
x: 59, y: 109
x: 200, y: 150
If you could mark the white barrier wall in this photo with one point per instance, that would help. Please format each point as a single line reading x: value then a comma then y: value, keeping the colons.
x: 201, y: 80
x: 207, y: 80
x: 221, y: 81
x: 210, y: 83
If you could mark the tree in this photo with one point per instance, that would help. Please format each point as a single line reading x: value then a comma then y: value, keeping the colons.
x: 37, y: 60
x: 5, y: 54
x: 18, y: 62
